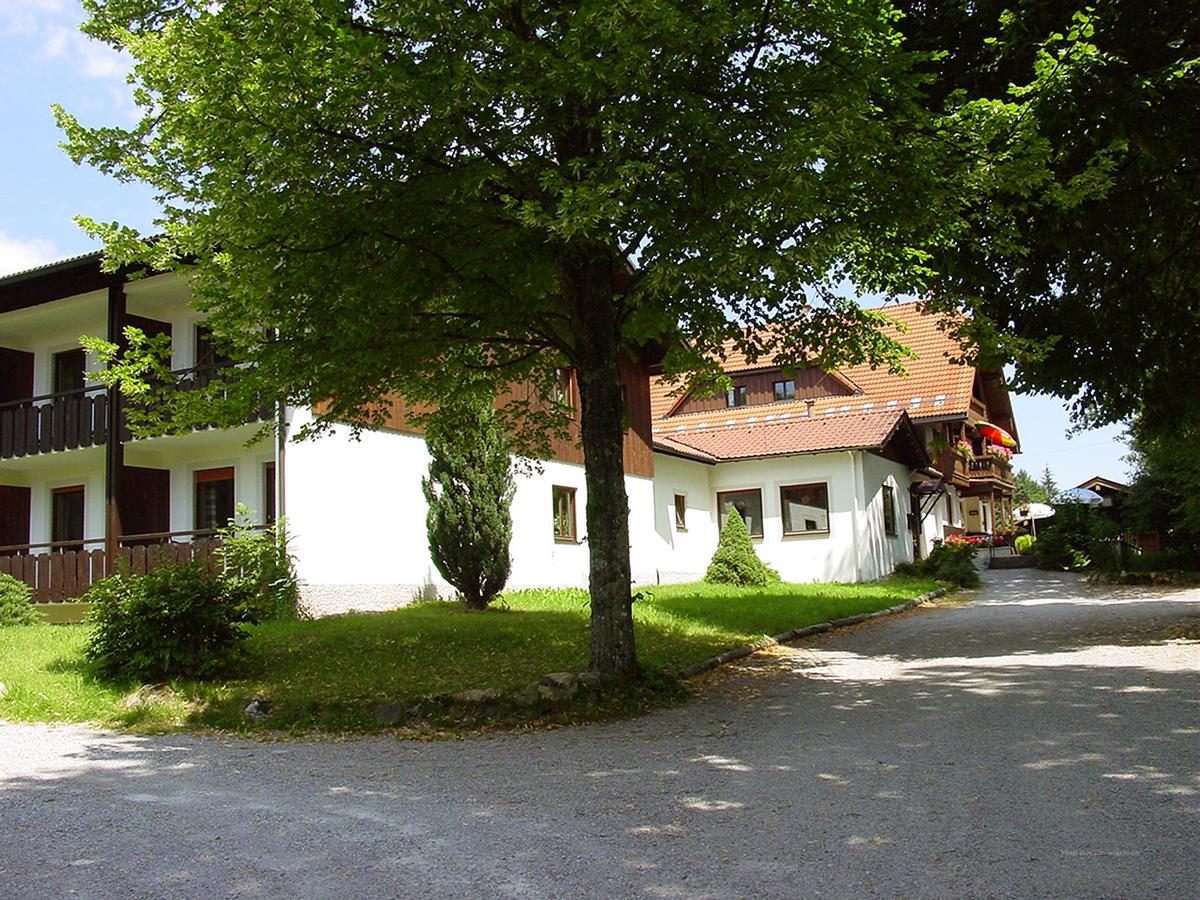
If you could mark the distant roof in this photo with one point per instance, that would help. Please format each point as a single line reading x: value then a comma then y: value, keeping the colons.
x: 1099, y: 481
x: 789, y: 437
x: 933, y: 387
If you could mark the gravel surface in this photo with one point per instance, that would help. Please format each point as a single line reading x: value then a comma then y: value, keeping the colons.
x: 1042, y: 740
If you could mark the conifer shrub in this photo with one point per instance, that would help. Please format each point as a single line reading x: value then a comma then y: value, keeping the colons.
x: 735, y: 561
x: 469, y: 491
x: 16, y: 608
x: 177, y: 621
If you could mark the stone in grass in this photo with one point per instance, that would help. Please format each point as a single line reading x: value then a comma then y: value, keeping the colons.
x: 147, y: 695
x: 558, y: 686
x: 476, y: 697
x: 591, y: 681
x: 528, y: 695
x: 395, y: 713
x: 258, y: 708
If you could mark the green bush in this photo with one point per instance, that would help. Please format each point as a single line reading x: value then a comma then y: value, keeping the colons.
x: 177, y: 621
x: 15, y: 605
x: 257, y: 569
x: 1081, y: 537
x: 735, y: 561
x: 953, y: 563
x: 1023, y: 543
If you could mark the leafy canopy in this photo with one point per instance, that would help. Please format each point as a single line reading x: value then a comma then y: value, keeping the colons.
x: 401, y: 184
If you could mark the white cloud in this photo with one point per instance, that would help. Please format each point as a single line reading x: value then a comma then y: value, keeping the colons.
x: 28, y: 16
x: 17, y: 255
x: 91, y: 57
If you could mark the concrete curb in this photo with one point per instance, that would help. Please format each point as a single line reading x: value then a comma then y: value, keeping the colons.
x: 745, y: 650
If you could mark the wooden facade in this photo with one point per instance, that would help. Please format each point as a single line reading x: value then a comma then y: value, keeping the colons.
x: 811, y: 384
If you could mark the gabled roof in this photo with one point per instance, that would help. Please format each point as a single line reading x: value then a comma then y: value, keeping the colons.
x: 1099, y: 481
x: 933, y: 387
x: 878, y: 431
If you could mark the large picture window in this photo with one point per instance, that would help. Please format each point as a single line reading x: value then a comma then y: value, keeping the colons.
x: 805, y: 508
x: 214, y: 498
x: 749, y: 507
x: 564, y: 515
x: 889, y: 510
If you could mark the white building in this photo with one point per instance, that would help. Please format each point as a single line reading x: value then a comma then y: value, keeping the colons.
x: 832, y: 472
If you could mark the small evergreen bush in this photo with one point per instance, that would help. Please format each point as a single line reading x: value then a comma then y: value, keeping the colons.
x: 15, y: 605
x: 735, y: 561
x: 1023, y: 543
x: 177, y: 621
x: 953, y: 563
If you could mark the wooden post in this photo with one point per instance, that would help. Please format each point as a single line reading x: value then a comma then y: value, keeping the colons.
x: 114, y: 449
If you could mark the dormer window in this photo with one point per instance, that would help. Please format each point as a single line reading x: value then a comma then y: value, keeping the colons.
x: 785, y: 390
x: 738, y: 395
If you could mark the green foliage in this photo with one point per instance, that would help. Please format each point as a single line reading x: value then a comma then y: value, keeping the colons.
x: 735, y: 561
x: 1083, y: 263
x: 1023, y: 543
x: 952, y: 563
x: 257, y: 570
x: 16, y: 608
x: 1027, y: 490
x: 1165, y: 494
x: 469, y: 491
x: 1078, y: 537
x: 1048, y: 485
x: 177, y: 621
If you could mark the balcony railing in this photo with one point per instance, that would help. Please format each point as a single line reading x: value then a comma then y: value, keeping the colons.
x: 52, y: 422
x: 80, y: 418
x: 984, y: 467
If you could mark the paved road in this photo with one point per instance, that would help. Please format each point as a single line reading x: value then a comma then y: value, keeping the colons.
x: 1043, y: 740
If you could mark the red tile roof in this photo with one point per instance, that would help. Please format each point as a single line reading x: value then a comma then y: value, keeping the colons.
x: 933, y: 386
x: 785, y: 437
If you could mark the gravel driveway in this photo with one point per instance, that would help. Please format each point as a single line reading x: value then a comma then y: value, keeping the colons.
x: 1042, y: 740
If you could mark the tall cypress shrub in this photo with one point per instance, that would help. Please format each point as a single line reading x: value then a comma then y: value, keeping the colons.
x: 469, y: 491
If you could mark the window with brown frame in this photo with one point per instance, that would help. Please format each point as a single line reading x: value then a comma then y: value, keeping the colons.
x: 66, y: 516
x: 681, y: 512
x: 564, y: 387
x: 785, y: 390
x: 738, y: 395
x: 214, y: 498
x: 69, y: 368
x: 805, y: 508
x: 889, y: 510
x: 749, y: 506
x: 564, y: 515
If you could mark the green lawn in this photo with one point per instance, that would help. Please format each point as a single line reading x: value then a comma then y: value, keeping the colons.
x: 330, y: 673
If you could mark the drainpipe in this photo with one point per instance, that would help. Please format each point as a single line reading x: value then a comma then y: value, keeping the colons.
x: 280, y: 445
x: 856, y: 509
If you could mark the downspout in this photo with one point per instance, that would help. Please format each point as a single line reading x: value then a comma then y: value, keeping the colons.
x: 280, y: 444
x: 856, y: 509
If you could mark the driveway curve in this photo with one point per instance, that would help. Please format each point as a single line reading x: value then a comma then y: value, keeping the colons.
x: 1042, y: 740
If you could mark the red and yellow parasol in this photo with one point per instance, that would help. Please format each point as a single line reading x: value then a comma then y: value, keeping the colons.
x: 996, y: 434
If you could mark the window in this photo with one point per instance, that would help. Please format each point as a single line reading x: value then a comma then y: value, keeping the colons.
x: 889, y: 510
x: 66, y: 516
x: 785, y: 390
x: 269, y: 511
x: 564, y: 392
x: 749, y: 507
x: 805, y: 508
x: 737, y: 396
x: 68, y: 371
x: 207, y: 356
x: 681, y: 512
x: 214, y: 498
x: 564, y: 515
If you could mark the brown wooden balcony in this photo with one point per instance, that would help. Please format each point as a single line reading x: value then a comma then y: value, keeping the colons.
x: 989, y: 469
x: 54, y: 422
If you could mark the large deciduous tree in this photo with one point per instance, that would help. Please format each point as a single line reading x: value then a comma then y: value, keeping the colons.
x: 366, y: 192
x: 1085, y: 266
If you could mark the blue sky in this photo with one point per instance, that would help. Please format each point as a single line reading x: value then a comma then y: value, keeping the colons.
x: 44, y: 60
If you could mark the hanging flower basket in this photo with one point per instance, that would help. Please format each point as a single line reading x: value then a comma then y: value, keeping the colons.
x: 998, y: 452
x: 964, y: 449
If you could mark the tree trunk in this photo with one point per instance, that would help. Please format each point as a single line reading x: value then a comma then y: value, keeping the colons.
x: 596, y: 327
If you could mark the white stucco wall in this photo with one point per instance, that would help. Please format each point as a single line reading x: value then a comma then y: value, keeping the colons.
x: 356, y: 515
x: 880, y: 552
x: 683, y: 555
